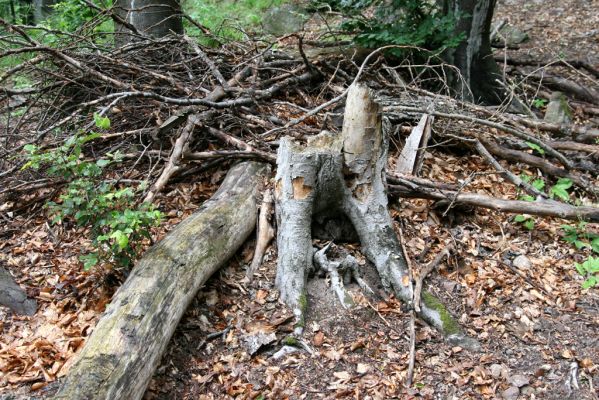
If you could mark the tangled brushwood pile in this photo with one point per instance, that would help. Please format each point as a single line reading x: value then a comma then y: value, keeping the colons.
x: 157, y: 111
x: 179, y: 108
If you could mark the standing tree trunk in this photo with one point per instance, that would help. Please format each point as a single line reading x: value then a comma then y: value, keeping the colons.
x: 155, y: 18
x: 42, y: 9
x: 479, y: 76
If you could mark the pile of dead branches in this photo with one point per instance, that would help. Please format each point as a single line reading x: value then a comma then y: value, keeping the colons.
x: 177, y: 107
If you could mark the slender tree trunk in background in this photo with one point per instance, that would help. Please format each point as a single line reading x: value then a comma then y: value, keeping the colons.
x: 155, y: 18
x: 42, y: 9
x: 474, y: 57
x: 26, y: 12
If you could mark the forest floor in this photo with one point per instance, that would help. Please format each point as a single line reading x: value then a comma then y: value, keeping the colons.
x: 515, y: 290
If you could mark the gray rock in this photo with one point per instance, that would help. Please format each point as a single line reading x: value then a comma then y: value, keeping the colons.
x: 518, y: 380
x: 527, y: 390
x: 558, y: 110
x: 521, y: 262
x: 510, y: 393
x: 511, y: 36
x: 287, y: 18
x: 497, y: 371
x: 253, y: 342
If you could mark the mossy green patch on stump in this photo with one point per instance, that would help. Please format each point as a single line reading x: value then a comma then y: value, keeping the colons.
x: 450, y: 326
x: 291, y: 341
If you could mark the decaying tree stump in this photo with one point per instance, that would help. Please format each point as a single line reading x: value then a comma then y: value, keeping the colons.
x: 344, y: 173
x: 121, y: 354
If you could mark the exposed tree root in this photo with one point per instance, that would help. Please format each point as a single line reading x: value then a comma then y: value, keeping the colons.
x: 344, y: 173
x: 339, y: 271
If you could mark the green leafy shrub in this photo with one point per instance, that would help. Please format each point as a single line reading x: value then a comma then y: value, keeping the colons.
x: 411, y: 23
x: 117, y: 227
x: 227, y: 19
x: 583, y: 239
x: 580, y: 237
x: 560, y: 189
x: 590, y: 271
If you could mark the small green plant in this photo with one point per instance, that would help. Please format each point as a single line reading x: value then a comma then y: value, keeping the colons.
x: 536, y: 147
x: 539, y: 103
x: 116, y: 226
x: 580, y: 237
x: 526, y: 221
x: 590, y: 271
x: 560, y: 189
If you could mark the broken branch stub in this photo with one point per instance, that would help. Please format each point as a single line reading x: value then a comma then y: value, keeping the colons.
x: 344, y: 173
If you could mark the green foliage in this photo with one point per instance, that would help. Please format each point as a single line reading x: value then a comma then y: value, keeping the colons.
x: 526, y: 221
x: 16, y: 12
x: 580, y: 237
x: 71, y: 15
x: 560, y: 189
x: 536, y: 147
x: 590, y: 271
x: 116, y: 226
x: 227, y: 18
x: 539, y: 103
x: 412, y: 23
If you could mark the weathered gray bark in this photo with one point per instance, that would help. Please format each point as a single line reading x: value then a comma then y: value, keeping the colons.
x: 13, y: 297
x: 479, y: 73
x: 155, y: 18
x: 121, y: 354
x: 344, y: 173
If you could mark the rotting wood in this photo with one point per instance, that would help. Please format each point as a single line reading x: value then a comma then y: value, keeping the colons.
x: 344, y: 173
x: 125, y: 347
x: 264, y: 234
x: 411, y: 157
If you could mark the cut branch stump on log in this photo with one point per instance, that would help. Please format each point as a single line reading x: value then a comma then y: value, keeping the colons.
x: 119, y: 358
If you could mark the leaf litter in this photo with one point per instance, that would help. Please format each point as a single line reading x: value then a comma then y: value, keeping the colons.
x: 515, y: 290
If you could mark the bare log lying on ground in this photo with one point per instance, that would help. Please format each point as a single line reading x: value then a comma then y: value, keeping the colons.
x: 565, y: 85
x: 407, y: 187
x: 120, y: 356
x: 344, y: 173
x: 13, y: 297
x: 581, y: 64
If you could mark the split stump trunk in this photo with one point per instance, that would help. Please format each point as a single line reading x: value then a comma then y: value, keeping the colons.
x: 344, y: 173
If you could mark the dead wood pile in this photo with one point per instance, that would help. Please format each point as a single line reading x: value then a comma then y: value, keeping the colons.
x: 178, y: 108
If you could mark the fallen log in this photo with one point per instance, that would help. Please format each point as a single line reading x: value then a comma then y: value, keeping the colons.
x: 407, y: 188
x: 121, y: 354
